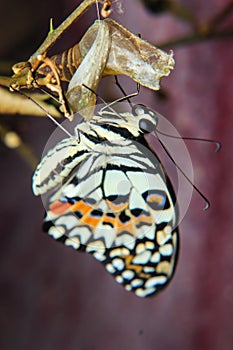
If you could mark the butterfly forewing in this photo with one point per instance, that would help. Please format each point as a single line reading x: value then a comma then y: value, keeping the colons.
x: 114, y: 202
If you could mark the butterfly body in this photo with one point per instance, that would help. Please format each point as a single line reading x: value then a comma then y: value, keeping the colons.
x: 109, y: 197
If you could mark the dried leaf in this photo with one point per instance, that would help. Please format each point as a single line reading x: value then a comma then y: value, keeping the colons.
x: 89, y: 73
x: 13, y: 103
x: 131, y: 55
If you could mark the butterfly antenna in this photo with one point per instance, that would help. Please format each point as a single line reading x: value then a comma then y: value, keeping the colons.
x: 217, y: 143
x: 126, y: 96
x: 123, y: 91
x: 48, y: 93
x: 44, y: 110
x: 106, y: 105
x: 182, y: 172
x: 121, y: 99
x: 109, y: 105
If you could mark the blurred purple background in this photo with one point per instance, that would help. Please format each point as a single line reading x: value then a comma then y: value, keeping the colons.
x: 52, y: 297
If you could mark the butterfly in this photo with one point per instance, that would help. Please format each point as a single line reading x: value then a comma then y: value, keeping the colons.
x: 108, y: 195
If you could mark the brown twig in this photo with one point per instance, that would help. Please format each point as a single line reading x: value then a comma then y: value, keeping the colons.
x: 56, y: 33
x: 182, y: 13
x: 15, y: 104
x: 219, y: 17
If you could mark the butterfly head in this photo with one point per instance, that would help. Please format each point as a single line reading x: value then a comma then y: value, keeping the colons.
x: 141, y: 120
x: 146, y: 118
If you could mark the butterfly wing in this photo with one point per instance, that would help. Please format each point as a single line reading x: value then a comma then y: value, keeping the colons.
x: 115, y: 204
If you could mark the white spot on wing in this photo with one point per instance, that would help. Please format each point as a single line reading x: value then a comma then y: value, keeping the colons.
x: 144, y: 292
x: 119, y: 279
x: 136, y: 282
x: 140, y: 248
x: 96, y: 245
x: 155, y: 257
x: 148, y: 269
x: 128, y: 274
x: 83, y: 232
x: 118, y: 264
x: 110, y: 268
x: 126, y: 240
x: 119, y: 252
x: 163, y: 237
x: 99, y: 256
x: 107, y: 232
x: 153, y: 281
x: 69, y: 221
x: 128, y: 287
x: 142, y: 258
x: 73, y: 242
x: 166, y: 250
x: 56, y: 231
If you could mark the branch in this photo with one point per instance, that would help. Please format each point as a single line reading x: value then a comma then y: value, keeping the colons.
x: 219, y: 17
x: 56, y: 33
x: 13, y: 103
x: 197, y: 36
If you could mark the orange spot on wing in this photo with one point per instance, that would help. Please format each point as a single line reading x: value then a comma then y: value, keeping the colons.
x: 85, y: 210
x: 116, y: 207
x: 59, y: 208
x: 155, y: 199
x: 124, y: 226
x: 82, y: 207
x: 92, y: 222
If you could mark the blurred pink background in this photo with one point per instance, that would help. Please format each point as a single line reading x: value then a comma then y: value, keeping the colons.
x: 52, y: 297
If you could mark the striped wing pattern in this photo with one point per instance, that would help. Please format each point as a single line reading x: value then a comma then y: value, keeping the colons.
x: 110, y: 198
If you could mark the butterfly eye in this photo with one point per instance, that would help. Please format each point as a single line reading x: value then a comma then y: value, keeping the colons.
x: 146, y: 125
x: 148, y: 120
